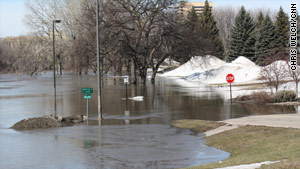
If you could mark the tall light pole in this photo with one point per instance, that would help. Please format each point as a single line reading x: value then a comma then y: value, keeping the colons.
x: 54, y: 21
x: 98, y: 62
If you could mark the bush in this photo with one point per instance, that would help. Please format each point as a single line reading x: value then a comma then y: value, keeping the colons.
x: 285, y: 96
x: 243, y: 98
x: 257, y: 97
x: 261, y: 97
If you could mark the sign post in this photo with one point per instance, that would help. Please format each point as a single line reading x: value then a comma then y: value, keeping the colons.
x: 230, y: 79
x: 126, y: 81
x: 87, y: 95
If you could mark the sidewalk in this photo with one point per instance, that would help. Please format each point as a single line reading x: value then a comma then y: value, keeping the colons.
x: 275, y: 120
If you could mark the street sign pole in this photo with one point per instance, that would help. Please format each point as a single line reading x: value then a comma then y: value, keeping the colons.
x: 230, y: 94
x: 126, y: 81
x: 230, y: 79
x: 126, y: 92
x: 87, y: 95
x: 87, y: 111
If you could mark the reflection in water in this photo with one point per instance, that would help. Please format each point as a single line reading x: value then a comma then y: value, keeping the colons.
x: 166, y: 101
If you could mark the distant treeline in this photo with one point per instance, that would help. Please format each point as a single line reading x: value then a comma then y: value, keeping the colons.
x: 137, y: 35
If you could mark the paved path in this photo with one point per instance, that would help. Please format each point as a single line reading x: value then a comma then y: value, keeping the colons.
x: 220, y: 129
x: 276, y: 120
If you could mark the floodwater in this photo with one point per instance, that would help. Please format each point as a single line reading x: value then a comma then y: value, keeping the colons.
x: 133, y: 134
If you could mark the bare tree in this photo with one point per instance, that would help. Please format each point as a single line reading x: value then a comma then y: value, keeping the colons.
x: 24, y: 54
x: 40, y: 16
x: 224, y: 17
x: 294, y: 75
x: 140, y: 24
x: 274, y: 74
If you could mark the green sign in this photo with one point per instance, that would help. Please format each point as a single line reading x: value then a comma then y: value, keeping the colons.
x: 87, y: 92
x: 87, y: 97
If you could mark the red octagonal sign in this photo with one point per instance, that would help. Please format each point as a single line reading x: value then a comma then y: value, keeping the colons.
x: 230, y: 78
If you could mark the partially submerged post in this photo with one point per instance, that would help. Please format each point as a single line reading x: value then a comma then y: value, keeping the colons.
x: 98, y: 62
x: 230, y: 79
x: 126, y: 82
x: 87, y: 95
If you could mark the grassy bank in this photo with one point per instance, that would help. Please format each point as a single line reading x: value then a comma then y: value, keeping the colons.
x: 197, y: 125
x: 251, y: 144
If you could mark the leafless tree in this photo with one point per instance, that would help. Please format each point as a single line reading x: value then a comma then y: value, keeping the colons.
x: 274, y: 74
x: 25, y: 54
x: 40, y: 16
x: 294, y: 75
x: 224, y: 16
x: 141, y: 33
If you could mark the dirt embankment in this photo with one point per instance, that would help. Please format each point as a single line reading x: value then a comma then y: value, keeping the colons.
x: 47, y: 122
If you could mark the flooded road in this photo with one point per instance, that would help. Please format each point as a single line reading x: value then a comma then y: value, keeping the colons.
x: 134, y: 134
x: 129, y: 146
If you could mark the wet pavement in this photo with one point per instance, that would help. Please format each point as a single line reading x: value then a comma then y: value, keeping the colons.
x: 129, y: 146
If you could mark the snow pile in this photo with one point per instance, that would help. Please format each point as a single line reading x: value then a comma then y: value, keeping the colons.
x: 171, y: 62
x: 196, y: 64
x: 243, y: 61
x: 250, y: 166
x: 277, y: 66
x: 242, y: 68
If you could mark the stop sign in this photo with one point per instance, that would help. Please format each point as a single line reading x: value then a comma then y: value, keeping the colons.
x: 230, y: 78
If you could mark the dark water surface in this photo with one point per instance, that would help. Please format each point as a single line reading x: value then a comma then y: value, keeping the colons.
x: 134, y: 134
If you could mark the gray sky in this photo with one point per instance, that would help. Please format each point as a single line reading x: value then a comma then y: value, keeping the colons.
x: 12, y: 12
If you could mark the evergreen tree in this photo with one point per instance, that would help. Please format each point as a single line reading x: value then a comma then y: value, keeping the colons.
x: 191, y: 36
x: 266, y: 40
x: 250, y: 51
x: 239, y: 41
x: 192, y: 20
x: 260, y: 19
x: 210, y: 33
x: 282, y: 30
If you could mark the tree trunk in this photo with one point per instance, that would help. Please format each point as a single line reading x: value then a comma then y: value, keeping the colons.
x: 153, y: 76
x: 133, y: 72
x: 143, y: 75
x: 35, y: 69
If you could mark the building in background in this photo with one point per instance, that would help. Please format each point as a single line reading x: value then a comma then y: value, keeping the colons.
x: 185, y: 7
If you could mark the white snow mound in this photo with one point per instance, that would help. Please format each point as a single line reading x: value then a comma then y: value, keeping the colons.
x: 242, y: 68
x: 279, y: 64
x: 243, y: 61
x: 196, y: 64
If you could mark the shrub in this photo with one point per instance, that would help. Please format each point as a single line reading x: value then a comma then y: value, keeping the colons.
x: 257, y: 97
x: 261, y: 97
x: 243, y: 98
x: 285, y: 96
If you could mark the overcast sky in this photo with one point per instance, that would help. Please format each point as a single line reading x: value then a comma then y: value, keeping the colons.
x: 12, y: 12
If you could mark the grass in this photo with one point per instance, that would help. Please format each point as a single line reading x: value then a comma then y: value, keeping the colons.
x: 252, y: 144
x: 197, y: 125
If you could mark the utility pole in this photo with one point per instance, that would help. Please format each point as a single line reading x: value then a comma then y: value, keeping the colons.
x: 54, y: 57
x: 98, y: 62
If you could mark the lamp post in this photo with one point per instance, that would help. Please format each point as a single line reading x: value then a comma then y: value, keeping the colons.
x: 54, y: 21
x: 98, y: 62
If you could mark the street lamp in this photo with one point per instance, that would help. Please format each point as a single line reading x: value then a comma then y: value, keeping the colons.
x: 99, y: 71
x: 54, y: 21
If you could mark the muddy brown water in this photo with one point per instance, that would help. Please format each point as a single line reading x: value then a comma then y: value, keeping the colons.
x: 134, y: 134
